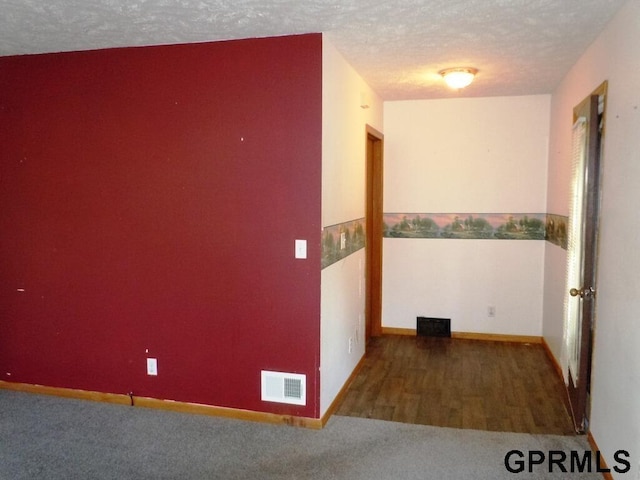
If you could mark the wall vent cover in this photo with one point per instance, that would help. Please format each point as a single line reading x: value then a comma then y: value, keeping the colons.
x: 433, y: 327
x: 283, y: 387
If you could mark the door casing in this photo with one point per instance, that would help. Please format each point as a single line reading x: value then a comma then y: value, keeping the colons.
x: 374, y: 232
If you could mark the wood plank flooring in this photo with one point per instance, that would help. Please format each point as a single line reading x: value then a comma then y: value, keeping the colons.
x: 482, y: 385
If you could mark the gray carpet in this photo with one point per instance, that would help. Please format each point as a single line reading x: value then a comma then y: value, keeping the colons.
x: 43, y: 437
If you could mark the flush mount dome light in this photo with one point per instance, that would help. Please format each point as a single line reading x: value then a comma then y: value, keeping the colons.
x: 458, y: 77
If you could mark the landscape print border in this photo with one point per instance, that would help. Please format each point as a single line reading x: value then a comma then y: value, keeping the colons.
x: 494, y: 226
x: 333, y: 248
x: 557, y: 229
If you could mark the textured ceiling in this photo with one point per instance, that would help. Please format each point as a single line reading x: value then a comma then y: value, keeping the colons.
x: 519, y: 46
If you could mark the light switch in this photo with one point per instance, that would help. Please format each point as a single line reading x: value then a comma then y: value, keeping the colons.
x: 152, y: 366
x: 301, y: 249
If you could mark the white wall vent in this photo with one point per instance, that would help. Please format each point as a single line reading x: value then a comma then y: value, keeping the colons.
x: 284, y: 387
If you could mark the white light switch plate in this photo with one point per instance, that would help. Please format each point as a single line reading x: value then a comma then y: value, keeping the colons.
x: 301, y: 249
x: 152, y: 366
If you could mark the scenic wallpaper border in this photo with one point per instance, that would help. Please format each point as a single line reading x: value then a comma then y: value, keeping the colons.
x: 496, y: 226
x: 477, y: 226
x: 341, y: 240
x: 557, y: 229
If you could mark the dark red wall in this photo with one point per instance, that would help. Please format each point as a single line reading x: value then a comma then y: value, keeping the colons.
x: 150, y: 199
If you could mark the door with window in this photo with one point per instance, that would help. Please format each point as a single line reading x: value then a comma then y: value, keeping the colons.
x: 580, y: 297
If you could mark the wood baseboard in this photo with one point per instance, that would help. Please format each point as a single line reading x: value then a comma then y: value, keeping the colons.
x: 603, y: 464
x: 497, y: 337
x: 341, y: 394
x: 398, y: 331
x: 120, y: 399
x: 175, y: 406
x: 490, y: 337
x: 552, y: 357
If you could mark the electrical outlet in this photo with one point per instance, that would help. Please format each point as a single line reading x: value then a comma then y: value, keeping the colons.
x: 152, y: 366
x: 343, y: 240
x: 491, y: 311
x: 350, y: 345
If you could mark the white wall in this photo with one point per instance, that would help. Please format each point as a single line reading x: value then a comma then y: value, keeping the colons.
x: 434, y: 278
x: 343, y: 199
x: 558, y: 203
x: 615, y: 388
x: 344, y: 137
x: 467, y: 155
x: 555, y: 260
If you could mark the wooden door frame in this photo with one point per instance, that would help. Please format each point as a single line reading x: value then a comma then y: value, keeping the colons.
x: 374, y: 142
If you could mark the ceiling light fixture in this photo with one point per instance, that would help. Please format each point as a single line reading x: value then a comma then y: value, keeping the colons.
x: 458, y: 77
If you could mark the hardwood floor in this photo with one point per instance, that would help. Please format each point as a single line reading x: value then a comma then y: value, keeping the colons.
x: 482, y: 385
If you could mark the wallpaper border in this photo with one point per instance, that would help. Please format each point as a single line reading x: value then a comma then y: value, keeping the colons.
x: 469, y: 226
x: 476, y: 226
x: 333, y: 249
x: 557, y: 229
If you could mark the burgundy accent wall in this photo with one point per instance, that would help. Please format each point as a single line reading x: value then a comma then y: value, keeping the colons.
x: 149, y: 200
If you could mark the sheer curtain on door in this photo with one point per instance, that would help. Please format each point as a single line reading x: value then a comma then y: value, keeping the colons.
x: 573, y: 305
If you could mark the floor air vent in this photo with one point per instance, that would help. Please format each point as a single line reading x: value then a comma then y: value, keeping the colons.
x: 433, y: 327
x: 284, y: 387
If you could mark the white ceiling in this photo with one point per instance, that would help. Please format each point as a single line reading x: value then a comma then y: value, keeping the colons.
x: 520, y: 47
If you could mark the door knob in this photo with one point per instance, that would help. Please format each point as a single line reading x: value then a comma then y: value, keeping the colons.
x: 582, y: 292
